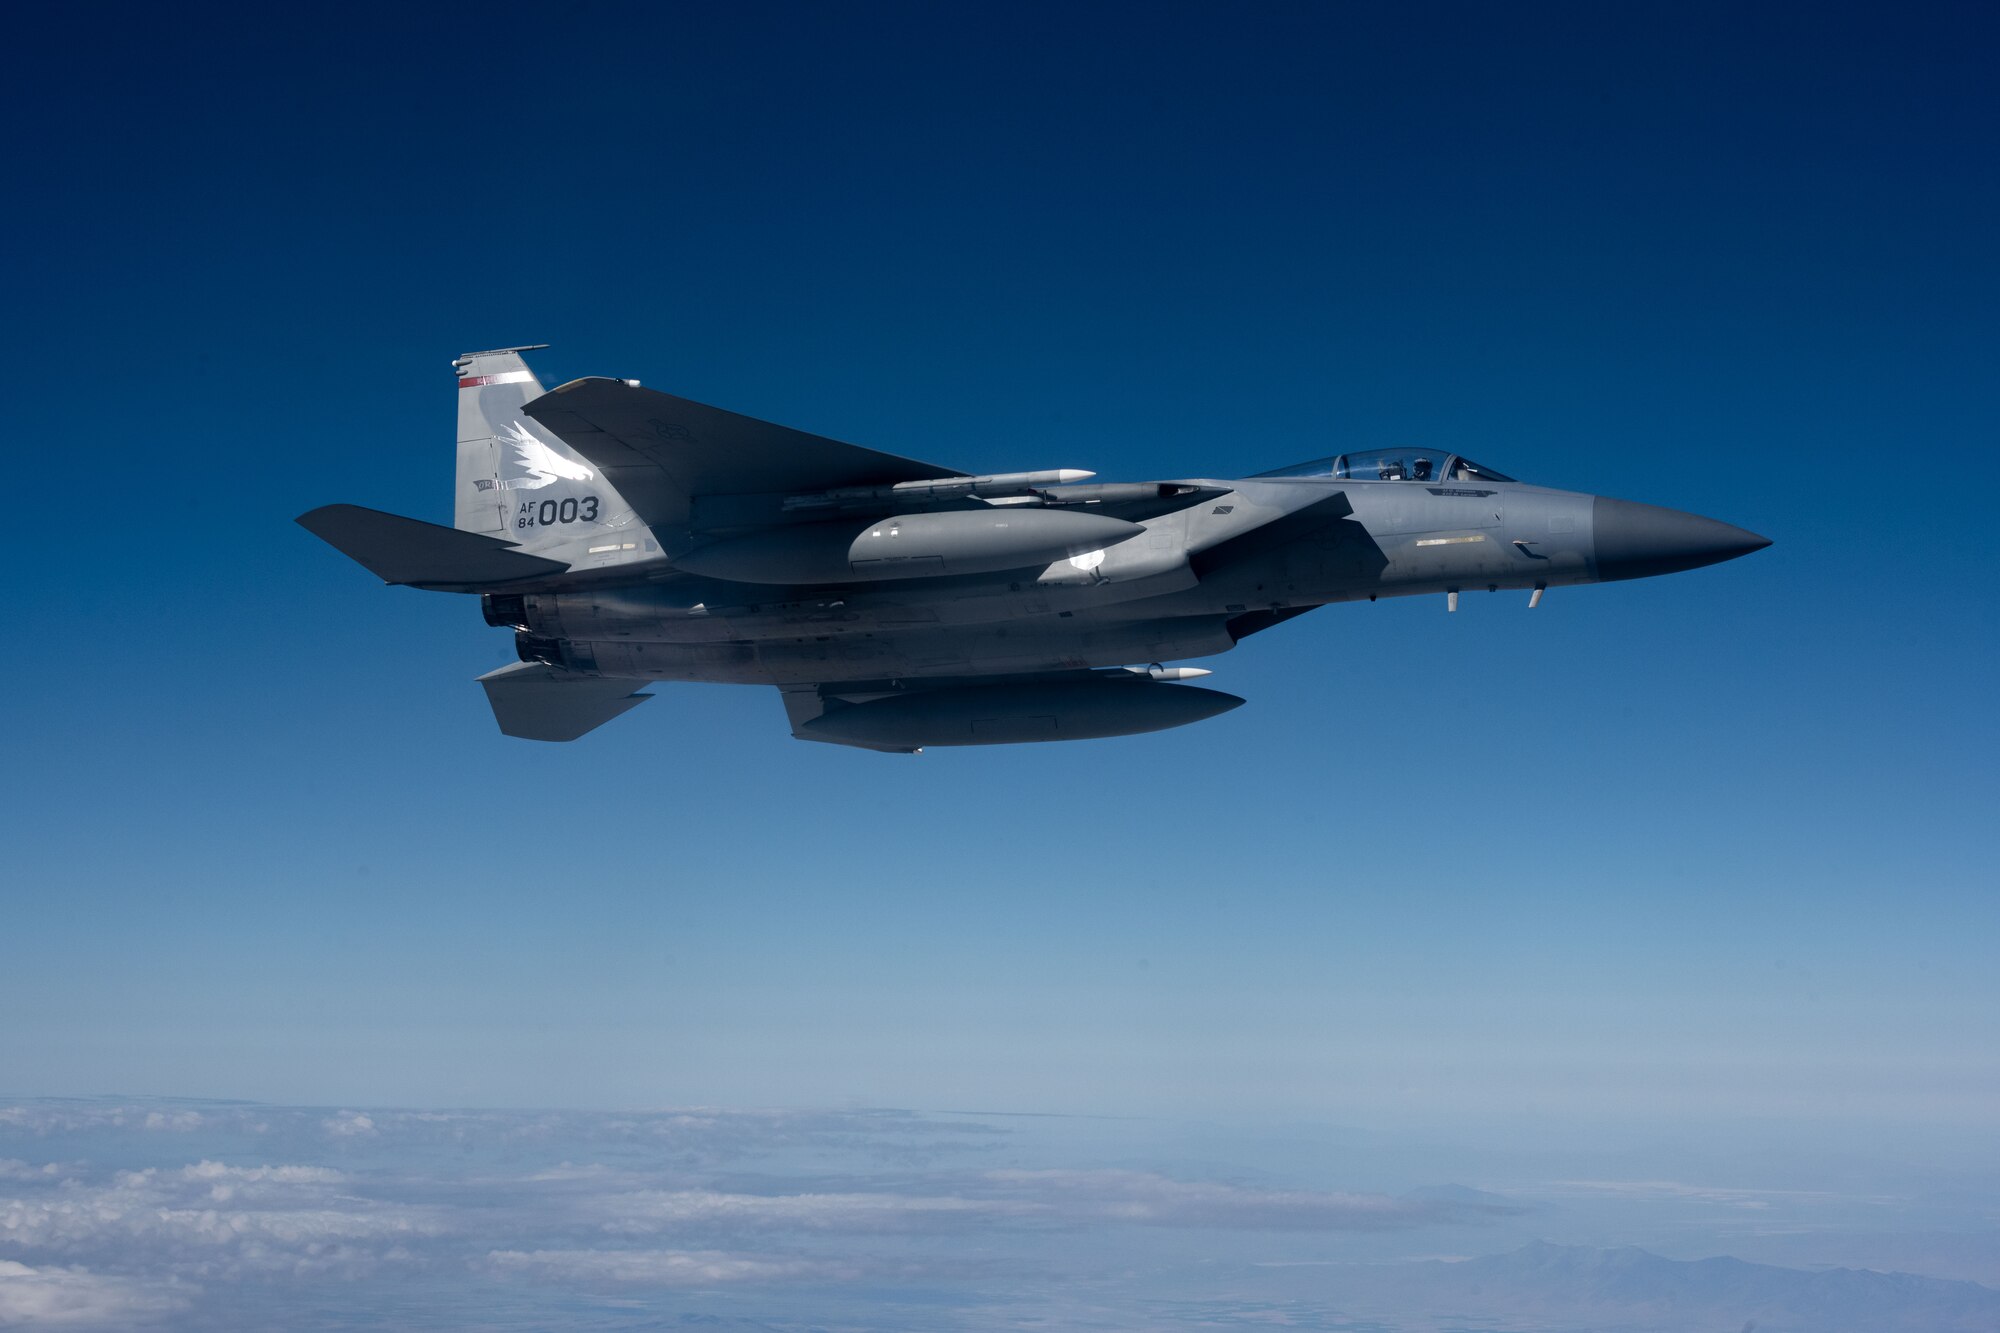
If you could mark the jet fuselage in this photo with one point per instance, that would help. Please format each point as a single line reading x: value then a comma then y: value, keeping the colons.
x: 629, y: 536
x: 1259, y: 551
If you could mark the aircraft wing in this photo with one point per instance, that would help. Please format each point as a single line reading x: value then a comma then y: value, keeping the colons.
x: 1322, y: 516
x: 660, y: 451
x: 545, y: 703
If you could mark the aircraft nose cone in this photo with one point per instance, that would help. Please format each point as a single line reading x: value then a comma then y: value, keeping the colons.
x: 1635, y: 540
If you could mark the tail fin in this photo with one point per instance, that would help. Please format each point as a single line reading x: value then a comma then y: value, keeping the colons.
x: 518, y: 482
x: 493, y: 387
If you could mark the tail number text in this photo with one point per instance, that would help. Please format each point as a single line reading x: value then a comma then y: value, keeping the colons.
x: 548, y: 513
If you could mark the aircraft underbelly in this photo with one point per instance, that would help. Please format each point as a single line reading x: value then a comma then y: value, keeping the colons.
x: 911, y: 654
x: 695, y: 611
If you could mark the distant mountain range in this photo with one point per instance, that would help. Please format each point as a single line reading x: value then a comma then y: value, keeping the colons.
x: 1561, y: 1287
x: 1467, y: 1195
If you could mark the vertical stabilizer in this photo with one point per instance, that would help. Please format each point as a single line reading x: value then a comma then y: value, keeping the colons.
x: 518, y: 482
x: 493, y: 387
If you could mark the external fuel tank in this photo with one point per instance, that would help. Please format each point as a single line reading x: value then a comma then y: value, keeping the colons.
x: 1007, y: 714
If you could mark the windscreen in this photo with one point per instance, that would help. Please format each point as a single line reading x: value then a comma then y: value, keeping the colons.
x: 1393, y: 465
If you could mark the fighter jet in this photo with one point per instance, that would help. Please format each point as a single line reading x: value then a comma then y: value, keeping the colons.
x: 627, y: 536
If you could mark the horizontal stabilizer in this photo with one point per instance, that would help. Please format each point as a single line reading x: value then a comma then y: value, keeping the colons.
x: 545, y: 703
x: 423, y: 555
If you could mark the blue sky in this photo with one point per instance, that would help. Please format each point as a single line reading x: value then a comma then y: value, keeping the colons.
x: 1699, y: 851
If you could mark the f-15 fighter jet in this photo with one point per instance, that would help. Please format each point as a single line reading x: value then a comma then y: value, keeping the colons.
x: 628, y: 536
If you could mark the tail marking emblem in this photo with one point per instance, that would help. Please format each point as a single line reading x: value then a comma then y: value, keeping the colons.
x: 543, y: 465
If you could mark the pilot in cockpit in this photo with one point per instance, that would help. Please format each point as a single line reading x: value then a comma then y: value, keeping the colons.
x: 1420, y: 470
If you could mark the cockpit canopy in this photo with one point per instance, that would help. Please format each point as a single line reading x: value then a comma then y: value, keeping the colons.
x: 1393, y: 465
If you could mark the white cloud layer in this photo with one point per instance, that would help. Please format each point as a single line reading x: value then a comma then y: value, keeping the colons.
x: 666, y: 1268
x: 209, y: 1219
x: 1148, y: 1199
x: 73, y: 1297
x: 998, y: 1198
x: 120, y: 1215
x: 656, y: 1197
x: 644, y: 1211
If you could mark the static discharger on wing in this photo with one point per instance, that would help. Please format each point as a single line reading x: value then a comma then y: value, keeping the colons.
x: 628, y: 536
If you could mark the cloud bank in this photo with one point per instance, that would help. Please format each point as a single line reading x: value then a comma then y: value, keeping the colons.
x: 117, y: 1214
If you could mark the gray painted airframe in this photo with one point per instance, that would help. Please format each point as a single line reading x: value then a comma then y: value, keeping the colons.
x: 628, y: 536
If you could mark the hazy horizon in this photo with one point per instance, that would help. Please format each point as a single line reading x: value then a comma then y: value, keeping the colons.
x: 183, y: 1213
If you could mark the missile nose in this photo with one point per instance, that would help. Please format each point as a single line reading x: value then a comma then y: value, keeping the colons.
x: 1635, y: 540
